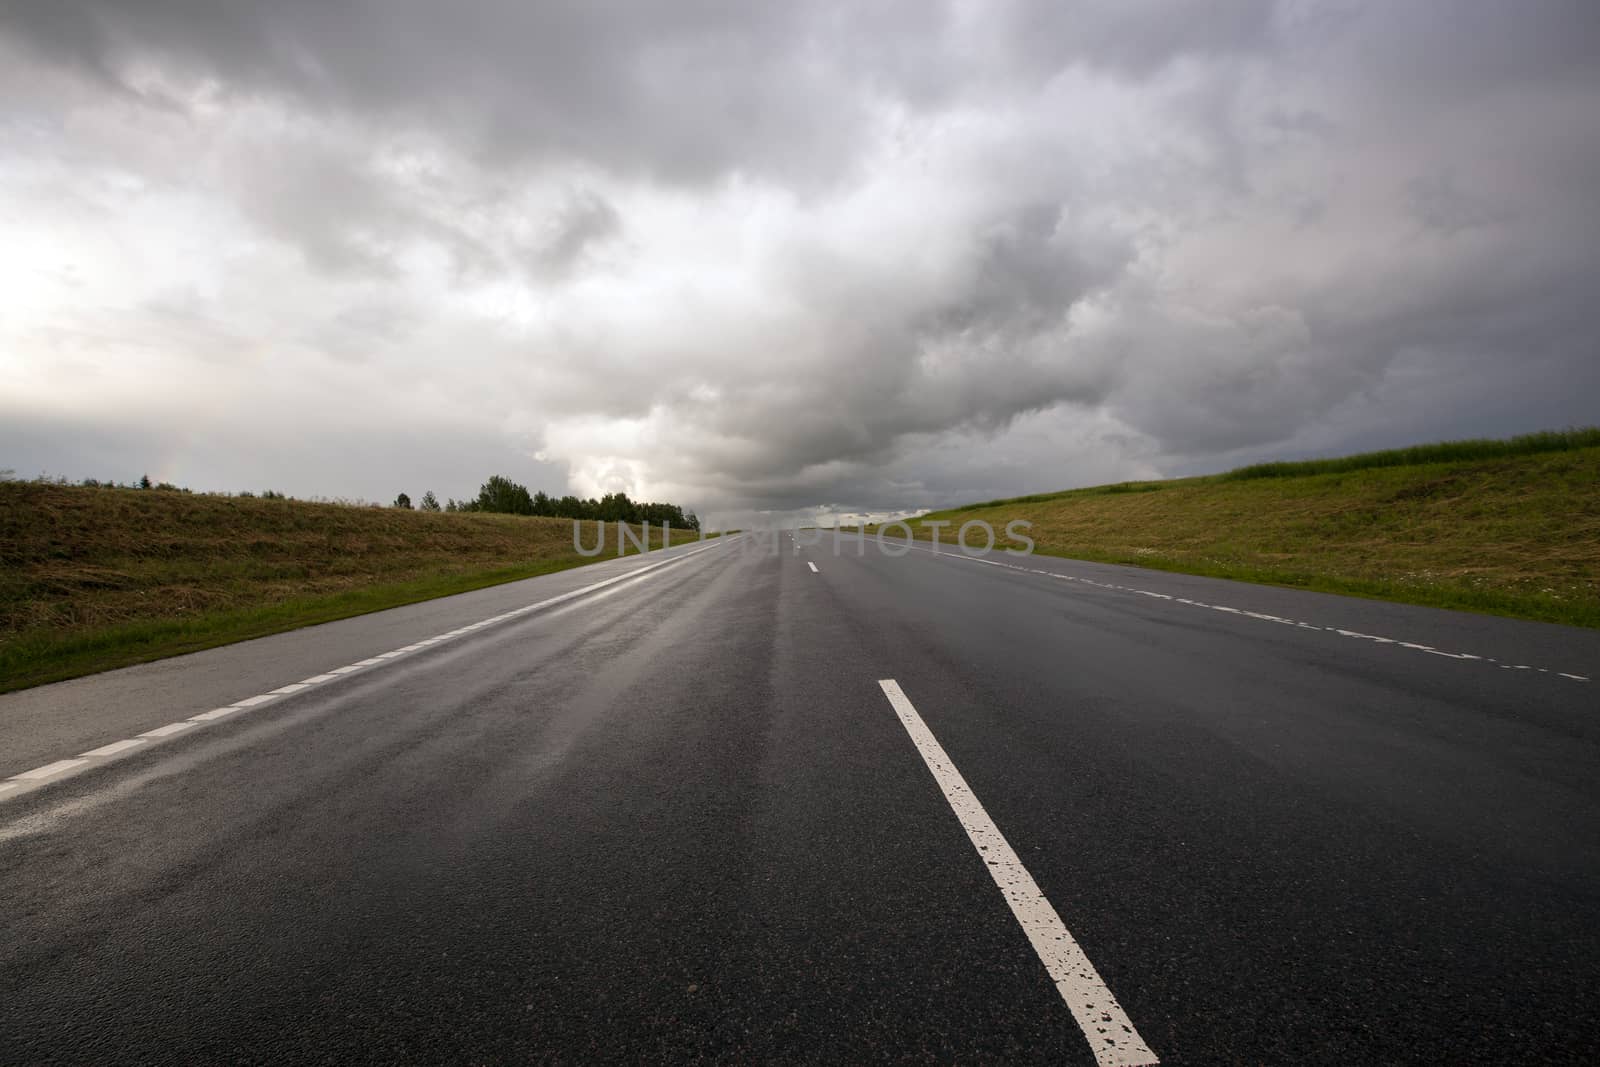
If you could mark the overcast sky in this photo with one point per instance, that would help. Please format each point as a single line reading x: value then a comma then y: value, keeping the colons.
x: 773, y: 257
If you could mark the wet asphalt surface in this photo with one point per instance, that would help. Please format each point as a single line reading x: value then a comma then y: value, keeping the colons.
x: 676, y: 820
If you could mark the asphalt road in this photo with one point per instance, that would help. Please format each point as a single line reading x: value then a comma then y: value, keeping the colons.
x: 678, y: 817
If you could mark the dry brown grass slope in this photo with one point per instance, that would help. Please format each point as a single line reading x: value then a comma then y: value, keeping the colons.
x: 92, y: 578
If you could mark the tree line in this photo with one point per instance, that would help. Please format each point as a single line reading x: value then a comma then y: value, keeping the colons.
x: 498, y: 494
x: 503, y: 496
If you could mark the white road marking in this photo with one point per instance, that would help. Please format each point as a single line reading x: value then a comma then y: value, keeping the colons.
x: 216, y: 713
x: 1412, y: 646
x: 170, y: 729
x: 49, y: 770
x: 1110, y: 1032
x: 813, y: 566
x: 114, y: 748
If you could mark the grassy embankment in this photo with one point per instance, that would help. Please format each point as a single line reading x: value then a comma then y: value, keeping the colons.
x: 92, y: 579
x: 1505, y: 527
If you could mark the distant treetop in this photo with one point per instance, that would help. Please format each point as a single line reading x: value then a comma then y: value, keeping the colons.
x: 501, y: 495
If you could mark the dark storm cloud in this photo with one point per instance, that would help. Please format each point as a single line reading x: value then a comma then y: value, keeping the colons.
x: 680, y: 90
x: 684, y: 90
x: 872, y: 255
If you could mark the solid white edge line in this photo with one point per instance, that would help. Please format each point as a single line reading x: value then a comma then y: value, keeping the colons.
x: 51, y: 769
x: 1111, y: 1036
x: 113, y: 748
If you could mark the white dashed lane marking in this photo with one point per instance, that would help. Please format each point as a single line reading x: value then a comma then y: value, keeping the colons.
x: 49, y: 770
x: 813, y: 566
x: 216, y: 713
x: 116, y: 748
x: 1110, y: 1032
x: 113, y: 748
x: 1257, y: 615
x: 170, y: 729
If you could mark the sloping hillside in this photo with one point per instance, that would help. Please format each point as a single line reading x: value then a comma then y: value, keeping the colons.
x: 1509, y: 527
x: 92, y: 578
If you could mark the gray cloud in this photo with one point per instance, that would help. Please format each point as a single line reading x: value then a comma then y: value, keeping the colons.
x: 584, y: 222
x: 679, y: 90
x: 772, y: 257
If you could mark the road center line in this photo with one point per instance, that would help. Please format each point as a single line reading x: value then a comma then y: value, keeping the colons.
x: 1111, y: 1035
